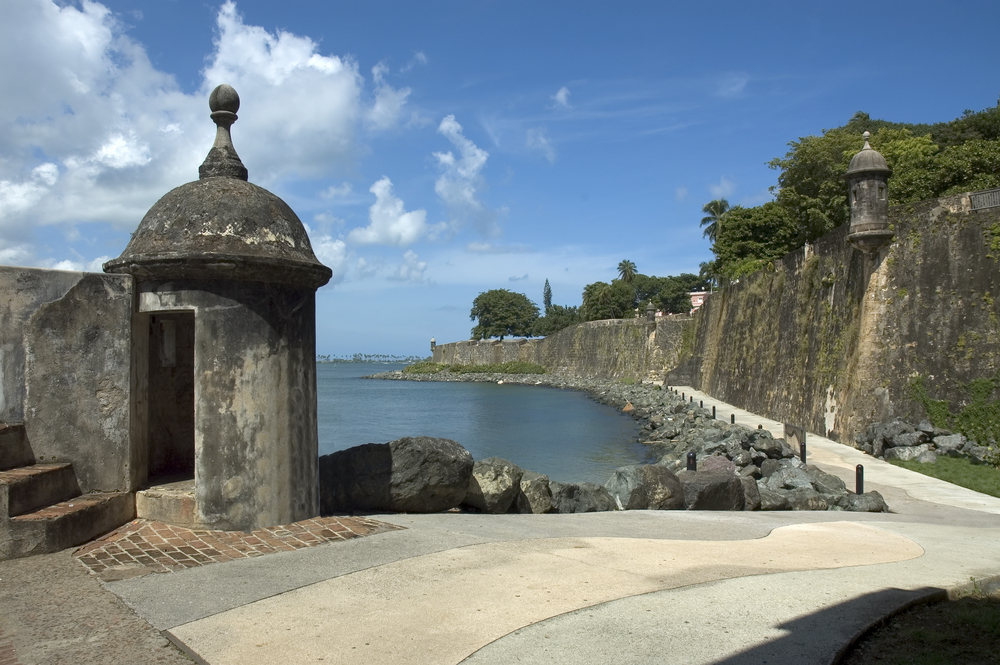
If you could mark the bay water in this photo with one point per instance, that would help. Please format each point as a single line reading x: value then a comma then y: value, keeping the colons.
x: 560, y: 433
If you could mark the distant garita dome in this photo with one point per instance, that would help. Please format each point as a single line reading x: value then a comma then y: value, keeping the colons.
x: 221, y: 226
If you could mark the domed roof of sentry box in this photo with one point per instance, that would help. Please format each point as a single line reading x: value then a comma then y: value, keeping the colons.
x: 221, y: 226
x: 867, y: 160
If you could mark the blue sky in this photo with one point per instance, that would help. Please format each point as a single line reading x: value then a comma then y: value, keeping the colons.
x: 439, y: 149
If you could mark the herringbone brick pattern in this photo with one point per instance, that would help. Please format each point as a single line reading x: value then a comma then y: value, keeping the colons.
x: 161, y: 547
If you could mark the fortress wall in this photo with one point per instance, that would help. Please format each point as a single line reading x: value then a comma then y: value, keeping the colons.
x: 826, y: 341
x: 616, y: 348
x: 65, y: 364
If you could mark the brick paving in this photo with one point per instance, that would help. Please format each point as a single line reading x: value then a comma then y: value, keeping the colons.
x: 159, y: 548
x: 7, y: 654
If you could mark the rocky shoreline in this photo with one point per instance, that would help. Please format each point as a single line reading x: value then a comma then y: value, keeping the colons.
x: 737, y: 468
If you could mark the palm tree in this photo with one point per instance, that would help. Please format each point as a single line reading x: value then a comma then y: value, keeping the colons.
x: 626, y: 271
x: 715, y: 211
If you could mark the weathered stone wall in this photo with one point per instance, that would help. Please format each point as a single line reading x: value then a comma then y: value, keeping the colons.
x: 64, y: 369
x: 615, y: 348
x: 829, y: 342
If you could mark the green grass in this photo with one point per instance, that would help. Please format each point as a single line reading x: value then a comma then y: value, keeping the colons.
x: 966, y: 630
x: 960, y: 471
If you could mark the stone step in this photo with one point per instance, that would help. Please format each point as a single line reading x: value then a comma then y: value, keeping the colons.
x: 14, y: 449
x: 29, y: 488
x: 172, y: 503
x: 66, y: 524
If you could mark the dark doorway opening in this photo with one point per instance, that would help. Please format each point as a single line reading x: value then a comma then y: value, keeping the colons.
x: 171, y: 397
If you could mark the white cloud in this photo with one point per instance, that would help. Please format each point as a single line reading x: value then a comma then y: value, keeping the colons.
x: 732, y: 85
x: 116, y: 133
x: 390, y: 223
x: 681, y: 193
x: 518, y: 279
x: 490, y: 248
x: 331, y: 252
x: 411, y: 270
x: 365, y: 270
x: 337, y: 191
x: 537, y: 139
x: 561, y: 98
x: 461, y: 178
x: 93, y: 265
x: 419, y: 58
x: 388, y: 106
x: 724, y: 189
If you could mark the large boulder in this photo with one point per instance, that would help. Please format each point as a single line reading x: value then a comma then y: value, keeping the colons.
x: 535, y: 495
x: 751, y: 493
x: 712, y: 490
x: 825, y: 483
x: 581, y: 498
x: 494, y: 485
x: 906, y: 453
x: 869, y: 502
x: 646, y: 487
x: 718, y: 463
x: 772, y: 500
x: 806, y: 498
x: 417, y: 474
x: 789, y: 478
x: 947, y: 443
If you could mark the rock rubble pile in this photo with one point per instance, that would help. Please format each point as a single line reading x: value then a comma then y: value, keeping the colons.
x: 737, y: 468
x: 900, y: 440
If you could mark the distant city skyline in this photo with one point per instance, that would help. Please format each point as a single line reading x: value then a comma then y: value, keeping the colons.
x: 437, y: 150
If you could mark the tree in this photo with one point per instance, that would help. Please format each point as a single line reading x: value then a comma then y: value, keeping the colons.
x: 547, y: 297
x: 503, y: 313
x: 608, y: 301
x: 626, y: 271
x: 559, y: 317
x: 752, y: 237
x: 715, y: 211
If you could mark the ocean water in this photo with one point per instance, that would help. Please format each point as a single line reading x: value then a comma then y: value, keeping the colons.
x: 561, y: 433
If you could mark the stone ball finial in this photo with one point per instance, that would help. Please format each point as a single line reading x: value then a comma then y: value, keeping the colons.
x: 224, y: 98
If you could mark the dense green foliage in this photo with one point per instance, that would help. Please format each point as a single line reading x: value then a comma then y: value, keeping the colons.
x: 811, y: 196
x: 621, y: 299
x: 547, y: 297
x: 556, y: 318
x: 979, y: 417
x: 502, y: 313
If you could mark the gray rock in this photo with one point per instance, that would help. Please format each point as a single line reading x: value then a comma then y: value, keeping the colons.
x: 979, y: 454
x: 750, y: 471
x: 413, y: 474
x: 751, y: 494
x: 646, y: 487
x: 948, y: 443
x: 757, y: 456
x: 806, y: 498
x: 927, y: 457
x: 768, y: 467
x: 906, y: 453
x: 581, y: 498
x: 771, y: 500
x: 535, y: 495
x: 742, y: 458
x: 869, y: 502
x: 910, y: 439
x: 717, y: 463
x: 712, y: 490
x: 494, y: 485
x: 925, y: 426
x: 789, y: 479
x: 770, y: 446
x: 826, y: 483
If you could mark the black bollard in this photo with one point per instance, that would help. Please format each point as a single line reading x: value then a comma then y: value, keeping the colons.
x: 691, y: 399
x: 682, y: 395
x: 802, y: 452
x: 859, y: 479
x: 692, y: 462
x: 732, y: 418
x: 760, y: 427
x: 713, y: 412
x: 701, y: 404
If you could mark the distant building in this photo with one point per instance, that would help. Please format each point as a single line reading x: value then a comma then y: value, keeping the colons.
x: 698, y: 299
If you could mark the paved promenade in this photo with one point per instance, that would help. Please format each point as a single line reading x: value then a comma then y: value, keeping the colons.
x: 627, y: 587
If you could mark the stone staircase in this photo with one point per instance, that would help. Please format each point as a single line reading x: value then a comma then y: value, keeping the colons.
x: 41, y: 506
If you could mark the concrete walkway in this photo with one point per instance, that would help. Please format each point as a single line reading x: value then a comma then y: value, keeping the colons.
x: 626, y: 587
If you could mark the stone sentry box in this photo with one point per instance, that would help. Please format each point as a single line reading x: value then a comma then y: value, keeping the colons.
x: 223, y: 344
